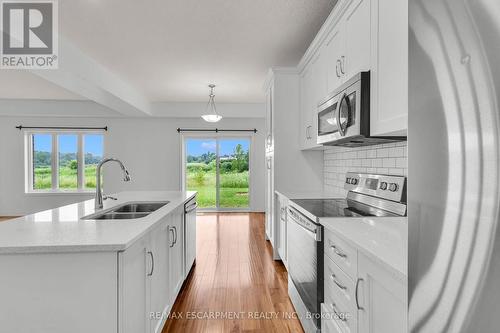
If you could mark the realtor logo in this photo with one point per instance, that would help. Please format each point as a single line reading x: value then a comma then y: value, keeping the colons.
x: 29, y: 34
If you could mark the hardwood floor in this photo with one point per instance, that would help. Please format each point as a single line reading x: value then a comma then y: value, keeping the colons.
x: 235, y: 276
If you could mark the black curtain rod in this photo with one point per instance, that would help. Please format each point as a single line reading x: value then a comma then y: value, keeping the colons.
x: 216, y: 130
x: 20, y: 127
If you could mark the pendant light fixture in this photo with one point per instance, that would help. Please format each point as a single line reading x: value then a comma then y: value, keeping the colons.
x: 211, y: 115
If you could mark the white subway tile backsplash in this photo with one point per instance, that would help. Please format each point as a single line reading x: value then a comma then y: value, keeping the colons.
x: 388, y: 158
x: 389, y: 163
x: 383, y: 152
x: 371, y: 153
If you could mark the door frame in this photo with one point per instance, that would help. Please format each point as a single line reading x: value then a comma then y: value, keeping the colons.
x: 217, y: 137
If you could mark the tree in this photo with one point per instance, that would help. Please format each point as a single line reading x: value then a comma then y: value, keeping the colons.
x: 240, y: 162
x: 73, y: 164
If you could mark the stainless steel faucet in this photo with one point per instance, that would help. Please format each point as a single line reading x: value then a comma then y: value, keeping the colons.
x: 98, y: 193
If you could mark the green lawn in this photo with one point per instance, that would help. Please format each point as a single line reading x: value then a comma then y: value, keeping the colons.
x: 67, y: 178
x: 233, y: 191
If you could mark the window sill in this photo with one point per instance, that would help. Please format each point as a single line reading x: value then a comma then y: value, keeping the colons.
x: 55, y: 193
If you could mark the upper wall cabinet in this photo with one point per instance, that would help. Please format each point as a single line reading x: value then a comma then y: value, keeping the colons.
x: 359, y: 35
x: 335, y: 53
x: 347, y: 47
x: 389, y: 72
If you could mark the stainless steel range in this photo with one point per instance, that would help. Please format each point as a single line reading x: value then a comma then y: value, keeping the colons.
x: 368, y: 195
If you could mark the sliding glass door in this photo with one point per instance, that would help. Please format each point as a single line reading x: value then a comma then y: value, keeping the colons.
x: 219, y: 169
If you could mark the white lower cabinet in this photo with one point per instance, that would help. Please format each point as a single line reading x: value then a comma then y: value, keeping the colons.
x: 150, y: 275
x: 133, y: 288
x: 159, y: 291
x: 175, y: 253
x: 281, y: 218
x: 366, y: 298
x: 383, y: 299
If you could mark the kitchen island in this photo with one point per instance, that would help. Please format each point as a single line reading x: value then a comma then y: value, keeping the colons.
x: 62, y: 270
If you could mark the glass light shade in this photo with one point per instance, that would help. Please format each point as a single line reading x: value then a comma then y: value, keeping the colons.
x: 211, y: 115
x: 211, y: 118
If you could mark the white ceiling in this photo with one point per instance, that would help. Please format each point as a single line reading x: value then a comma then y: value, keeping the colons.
x: 171, y: 49
x: 21, y: 84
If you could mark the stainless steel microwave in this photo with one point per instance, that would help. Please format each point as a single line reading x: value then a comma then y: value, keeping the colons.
x: 344, y: 116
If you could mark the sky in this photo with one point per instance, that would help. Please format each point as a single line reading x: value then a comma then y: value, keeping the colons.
x: 68, y: 143
x: 196, y: 147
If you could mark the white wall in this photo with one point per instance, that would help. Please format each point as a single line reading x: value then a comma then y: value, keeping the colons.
x: 149, y: 147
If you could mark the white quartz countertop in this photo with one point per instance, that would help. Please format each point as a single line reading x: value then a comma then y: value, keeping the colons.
x: 63, y: 230
x: 382, y: 239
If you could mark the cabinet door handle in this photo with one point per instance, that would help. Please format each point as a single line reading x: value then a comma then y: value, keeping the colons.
x: 175, y: 233
x: 338, y: 314
x: 342, y: 64
x: 308, y: 132
x: 338, y: 252
x: 337, y: 68
x: 334, y: 278
x: 152, y: 263
x: 356, y: 294
x: 173, y: 237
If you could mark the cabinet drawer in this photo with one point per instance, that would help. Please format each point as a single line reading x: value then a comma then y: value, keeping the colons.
x: 341, y: 286
x: 343, y: 315
x: 343, y: 254
x: 328, y: 324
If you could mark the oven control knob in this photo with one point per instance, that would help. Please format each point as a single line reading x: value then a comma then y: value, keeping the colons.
x: 383, y: 186
x: 354, y: 181
x: 348, y: 180
x: 393, y: 187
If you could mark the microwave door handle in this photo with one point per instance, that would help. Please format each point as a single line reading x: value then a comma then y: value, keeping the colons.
x: 339, y: 106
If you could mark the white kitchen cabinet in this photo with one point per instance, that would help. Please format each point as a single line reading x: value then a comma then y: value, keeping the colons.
x: 348, y: 45
x: 313, y: 90
x: 151, y: 275
x: 372, y: 295
x: 287, y: 167
x: 334, y: 49
x: 389, y: 69
x: 160, y: 293
x: 305, y: 125
x: 270, y: 197
x: 145, y: 294
x: 359, y: 36
x: 134, y: 288
x: 176, y: 247
x: 281, y: 218
x: 356, y: 24
x: 382, y: 299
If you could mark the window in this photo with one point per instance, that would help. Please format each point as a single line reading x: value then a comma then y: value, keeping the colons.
x: 63, y: 161
x: 218, y: 168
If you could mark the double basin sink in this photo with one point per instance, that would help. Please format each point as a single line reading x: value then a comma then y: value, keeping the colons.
x: 127, y: 211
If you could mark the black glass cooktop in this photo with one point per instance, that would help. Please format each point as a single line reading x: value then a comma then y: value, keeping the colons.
x: 338, y: 208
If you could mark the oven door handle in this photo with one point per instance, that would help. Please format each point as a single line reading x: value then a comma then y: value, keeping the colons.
x: 315, y: 235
